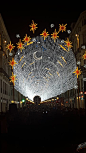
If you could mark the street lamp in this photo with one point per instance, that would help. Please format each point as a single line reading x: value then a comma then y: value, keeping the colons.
x: 23, y: 100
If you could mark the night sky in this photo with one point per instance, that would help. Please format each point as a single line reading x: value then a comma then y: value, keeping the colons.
x: 18, y: 16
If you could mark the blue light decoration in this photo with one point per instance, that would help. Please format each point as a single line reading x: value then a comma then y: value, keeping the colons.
x: 43, y: 48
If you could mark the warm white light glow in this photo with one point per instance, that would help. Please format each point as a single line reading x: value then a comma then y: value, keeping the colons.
x: 39, y: 76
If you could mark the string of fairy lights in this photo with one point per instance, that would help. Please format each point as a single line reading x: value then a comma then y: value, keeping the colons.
x: 44, y: 65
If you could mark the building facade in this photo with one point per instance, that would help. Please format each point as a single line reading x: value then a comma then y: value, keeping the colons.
x: 6, y: 88
x: 78, y: 39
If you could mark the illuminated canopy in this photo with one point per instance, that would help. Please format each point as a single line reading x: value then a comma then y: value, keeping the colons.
x: 45, y: 68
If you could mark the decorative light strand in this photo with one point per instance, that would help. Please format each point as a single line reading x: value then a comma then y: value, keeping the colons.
x: 62, y: 77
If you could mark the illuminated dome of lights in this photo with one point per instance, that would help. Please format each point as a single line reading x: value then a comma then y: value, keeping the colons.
x: 45, y: 68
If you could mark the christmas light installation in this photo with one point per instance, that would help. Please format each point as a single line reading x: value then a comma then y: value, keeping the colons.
x: 20, y: 45
x: 84, y: 56
x: 26, y: 39
x: 53, y: 78
x: 68, y: 43
x: 58, y: 74
x: 63, y: 47
x: 17, y: 36
x: 12, y: 63
x: 77, y: 72
x: 44, y: 34
x: 62, y: 27
x: 54, y: 35
x: 33, y: 26
x: 52, y: 25
x: 63, y: 59
x: 13, y: 79
x: 10, y: 47
x: 29, y: 43
x: 21, y: 58
x: 60, y: 63
x: 23, y: 64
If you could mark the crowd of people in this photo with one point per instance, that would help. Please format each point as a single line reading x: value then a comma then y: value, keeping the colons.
x: 44, y: 124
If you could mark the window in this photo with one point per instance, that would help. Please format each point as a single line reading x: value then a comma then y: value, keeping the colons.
x: 5, y: 88
x: 79, y: 87
x: 83, y: 22
x: 84, y: 85
x: 1, y: 86
x: 85, y: 61
x: 79, y: 29
x: 11, y: 92
x: 0, y: 41
x: 84, y: 38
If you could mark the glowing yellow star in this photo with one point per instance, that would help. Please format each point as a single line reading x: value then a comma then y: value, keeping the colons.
x: 13, y: 79
x: 77, y: 72
x: 54, y: 35
x: 20, y: 45
x: 10, y: 47
x: 12, y: 63
x: 62, y: 27
x: 44, y: 34
x: 84, y: 56
x: 26, y: 39
x: 68, y: 43
x: 33, y: 26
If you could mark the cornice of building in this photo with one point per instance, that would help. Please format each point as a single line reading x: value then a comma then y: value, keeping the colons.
x: 4, y: 28
x: 77, y: 23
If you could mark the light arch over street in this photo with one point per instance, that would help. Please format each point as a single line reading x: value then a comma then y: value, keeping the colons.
x: 46, y: 69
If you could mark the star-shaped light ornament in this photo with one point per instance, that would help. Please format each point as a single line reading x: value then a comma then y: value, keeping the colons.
x: 44, y: 34
x: 54, y: 35
x: 13, y: 79
x: 84, y: 56
x: 10, y: 47
x: 12, y: 63
x: 20, y: 45
x: 26, y: 39
x: 33, y: 26
x: 68, y: 43
x: 62, y: 27
x: 77, y: 72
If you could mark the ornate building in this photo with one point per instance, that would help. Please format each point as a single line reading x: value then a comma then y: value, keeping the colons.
x: 78, y: 38
x: 6, y: 88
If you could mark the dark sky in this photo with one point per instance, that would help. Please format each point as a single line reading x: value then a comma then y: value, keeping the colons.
x: 18, y: 16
